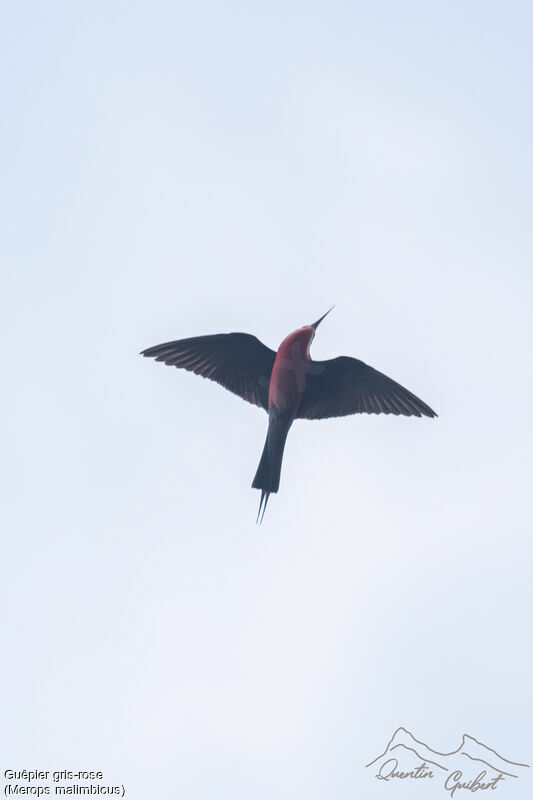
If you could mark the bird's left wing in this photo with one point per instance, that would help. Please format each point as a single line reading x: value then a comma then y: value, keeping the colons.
x: 238, y: 361
x: 346, y: 385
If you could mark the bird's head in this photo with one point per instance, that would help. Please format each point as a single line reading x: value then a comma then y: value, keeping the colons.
x: 303, y: 337
x: 315, y: 325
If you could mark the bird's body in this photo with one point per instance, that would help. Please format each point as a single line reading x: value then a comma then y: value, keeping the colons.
x: 288, y: 370
x: 284, y: 397
x: 289, y: 385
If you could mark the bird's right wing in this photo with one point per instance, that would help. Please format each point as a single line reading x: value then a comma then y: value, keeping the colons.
x: 346, y: 385
x: 237, y: 361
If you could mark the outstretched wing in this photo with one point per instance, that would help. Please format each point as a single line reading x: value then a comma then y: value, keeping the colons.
x: 238, y: 361
x: 345, y: 385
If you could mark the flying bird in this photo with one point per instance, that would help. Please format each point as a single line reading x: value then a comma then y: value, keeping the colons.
x: 289, y: 385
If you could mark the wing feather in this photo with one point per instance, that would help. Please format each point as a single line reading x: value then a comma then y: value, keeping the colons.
x: 343, y: 386
x: 237, y: 361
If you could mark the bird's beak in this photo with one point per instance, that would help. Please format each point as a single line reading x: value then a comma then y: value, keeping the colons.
x: 317, y: 323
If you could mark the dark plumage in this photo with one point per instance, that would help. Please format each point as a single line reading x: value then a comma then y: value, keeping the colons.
x: 289, y: 385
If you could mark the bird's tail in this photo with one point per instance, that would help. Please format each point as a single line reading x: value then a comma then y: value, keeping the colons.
x: 269, y: 469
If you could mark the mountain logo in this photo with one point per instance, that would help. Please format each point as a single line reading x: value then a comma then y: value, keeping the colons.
x: 473, y: 766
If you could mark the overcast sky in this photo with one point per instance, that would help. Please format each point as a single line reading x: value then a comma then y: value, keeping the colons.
x: 171, y: 170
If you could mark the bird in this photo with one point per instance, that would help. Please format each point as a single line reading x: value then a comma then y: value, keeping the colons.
x: 288, y: 385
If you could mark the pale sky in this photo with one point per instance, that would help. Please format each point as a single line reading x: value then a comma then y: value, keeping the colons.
x: 171, y: 170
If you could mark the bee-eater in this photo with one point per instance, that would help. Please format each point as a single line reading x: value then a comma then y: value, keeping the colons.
x: 289, y: 385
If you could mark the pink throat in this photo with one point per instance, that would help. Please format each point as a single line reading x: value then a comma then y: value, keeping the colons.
x: 289, y: 367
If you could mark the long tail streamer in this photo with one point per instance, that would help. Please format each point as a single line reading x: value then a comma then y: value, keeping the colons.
x: 264, y: 496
